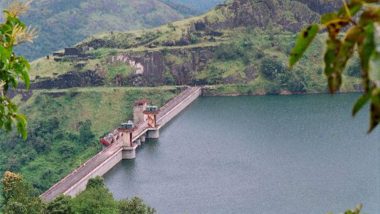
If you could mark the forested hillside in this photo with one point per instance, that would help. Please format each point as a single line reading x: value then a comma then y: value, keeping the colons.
x: 63, y: 23
x: 65, y: 127
x: 242, y: 46
x: 238, y: 48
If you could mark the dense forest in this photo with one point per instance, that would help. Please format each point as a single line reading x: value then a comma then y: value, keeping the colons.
x: 20, y: 198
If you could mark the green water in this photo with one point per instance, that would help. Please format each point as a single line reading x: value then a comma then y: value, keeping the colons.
x: 273, y: 154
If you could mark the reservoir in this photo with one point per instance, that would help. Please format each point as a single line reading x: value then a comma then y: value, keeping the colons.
x: 270, y: 154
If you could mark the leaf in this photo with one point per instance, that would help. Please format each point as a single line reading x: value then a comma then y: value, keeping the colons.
x: 352, y: 9
x: 328, y: 17
x: 375, y: 109
x: 333, y: 47
x: 303, y: 41
x: 375, y: 117
x: 374, y: 68
x: 21, y: 125
x: 334, y: 81
x: 360, y: 103
x: 347, y: 49
x: 365, y: 48
x: 334, y: 26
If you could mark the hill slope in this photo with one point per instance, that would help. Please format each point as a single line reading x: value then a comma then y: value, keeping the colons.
x: 65, y: 22
x: 238, y: 48
x: 64, y: 128
x: 242, y: 42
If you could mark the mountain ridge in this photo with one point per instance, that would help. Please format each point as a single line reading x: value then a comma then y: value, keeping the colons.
x: 64, y: 23
x: 91, y: 89
x: 227, y: 45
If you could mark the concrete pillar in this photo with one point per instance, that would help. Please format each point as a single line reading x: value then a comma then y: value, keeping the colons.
x: 138, y: 142
x: 153, y: 134
x: 138, y: 111
x: 127, y: 139
x: 129, y: 153
x: 142, y: 138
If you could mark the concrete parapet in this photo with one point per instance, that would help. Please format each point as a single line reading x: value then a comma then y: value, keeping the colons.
x: 98, y: 171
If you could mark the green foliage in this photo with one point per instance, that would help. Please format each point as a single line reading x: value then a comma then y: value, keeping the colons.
x: 95, y: 183
x: 304, y: 39
x: 271, y: 68
x: 356, y: 210
x: 19, y: 197
x: 85, y: 133
x: 346, y: 33
x: 58, y: 30
x: 60, y: 205
x: 64, y: 129
x: 12, y: 68
x: 235, y: 50
x: 168, y: 78
x: 96, y: 199
x: 134, y: 206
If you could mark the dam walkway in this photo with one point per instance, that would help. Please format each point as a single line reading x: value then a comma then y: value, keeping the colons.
x: 123, y: 147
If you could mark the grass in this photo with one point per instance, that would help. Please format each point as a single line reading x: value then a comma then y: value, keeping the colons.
x: 52, y: 151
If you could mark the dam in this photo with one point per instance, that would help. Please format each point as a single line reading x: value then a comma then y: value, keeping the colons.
x: 123, y: 143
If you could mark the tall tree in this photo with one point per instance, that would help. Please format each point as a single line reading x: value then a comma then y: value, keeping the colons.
x: 12, y: 67
x: 18, y: 196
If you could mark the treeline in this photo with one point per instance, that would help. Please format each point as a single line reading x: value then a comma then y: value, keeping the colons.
x: 48, y: 138
x: 20, y: 198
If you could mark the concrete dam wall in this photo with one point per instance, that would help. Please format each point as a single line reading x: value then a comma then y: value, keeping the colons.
x: 125, y: 143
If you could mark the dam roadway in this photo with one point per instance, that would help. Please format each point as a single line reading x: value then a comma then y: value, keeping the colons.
x: 106, y: 159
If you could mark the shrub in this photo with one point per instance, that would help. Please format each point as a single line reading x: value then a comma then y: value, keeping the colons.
x: 271, y: 68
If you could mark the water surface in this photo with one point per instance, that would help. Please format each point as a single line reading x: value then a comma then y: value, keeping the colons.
x: 289, y: 154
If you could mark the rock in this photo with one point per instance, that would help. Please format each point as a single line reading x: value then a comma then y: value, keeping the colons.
x: 200, y: 26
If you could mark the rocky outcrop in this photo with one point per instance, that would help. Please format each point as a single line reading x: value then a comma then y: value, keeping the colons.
x: 180, y: 66
x: 195, y: 51
x: 70, y: 80
x: 322, y: 6
x: 251, y: 13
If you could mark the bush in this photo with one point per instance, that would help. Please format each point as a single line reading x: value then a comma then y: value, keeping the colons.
x: 235, y: 51
x: 60, y: 205
x: 135, y: 205
x: 294, y: 80
x: 271, y: 68
x: 85, y: 134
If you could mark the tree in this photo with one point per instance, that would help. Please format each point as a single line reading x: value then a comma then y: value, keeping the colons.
x: 19, y: 197
x: 85, y: 134
x: 95, y: 199
x: 61, y: 205
x: 354, y: 27
x: 271, y: 68
x: 12, y: 67
x: 134, y: 206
